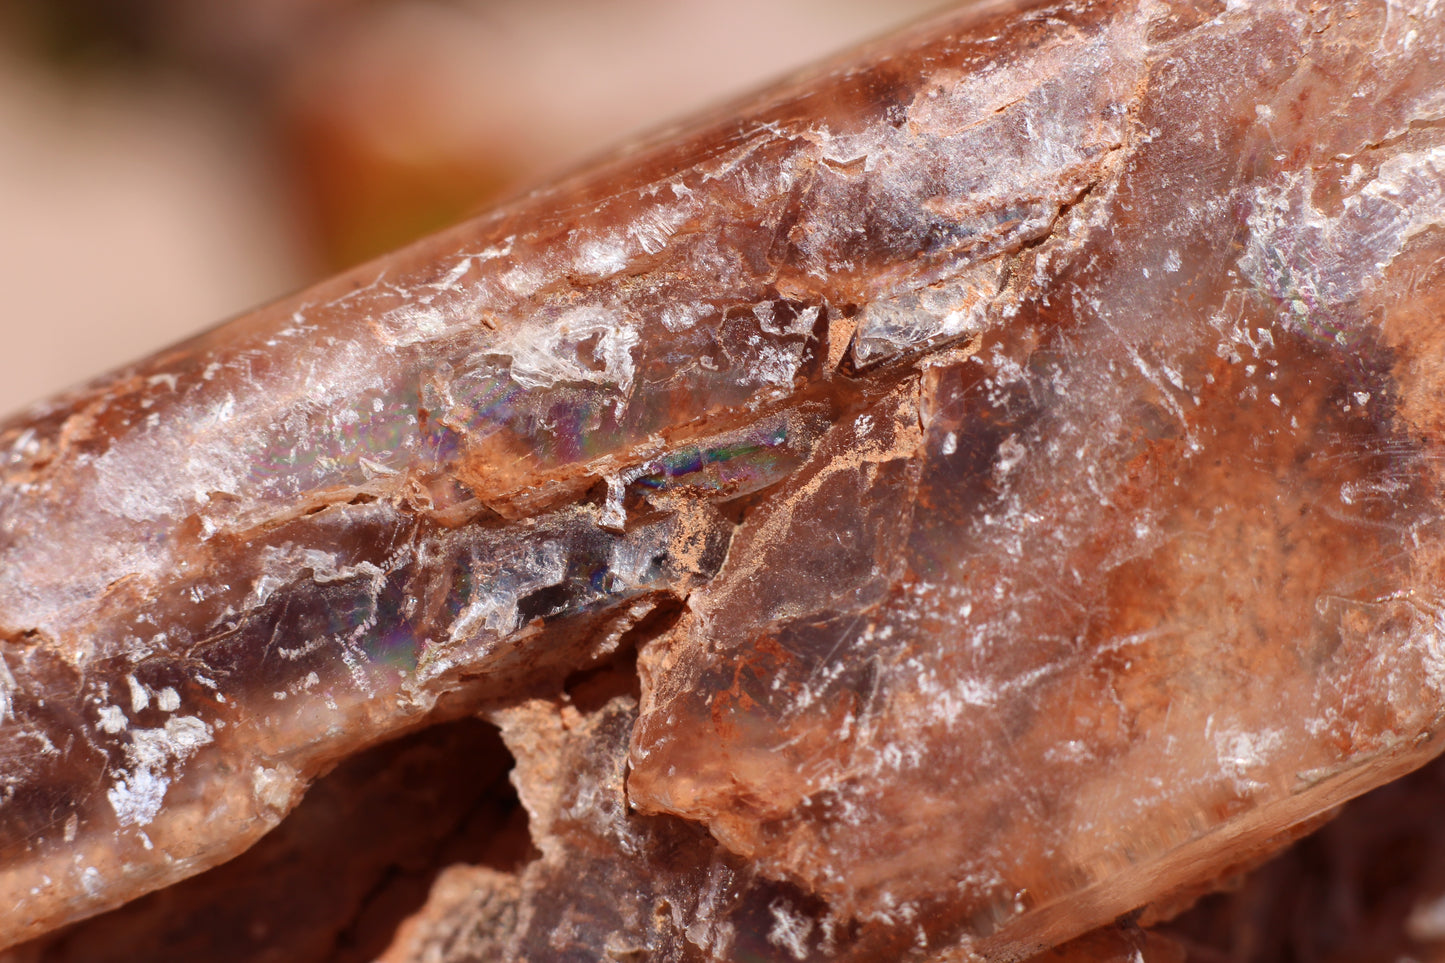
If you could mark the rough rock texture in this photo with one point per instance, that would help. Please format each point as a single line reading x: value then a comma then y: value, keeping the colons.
x: 1013, y: 451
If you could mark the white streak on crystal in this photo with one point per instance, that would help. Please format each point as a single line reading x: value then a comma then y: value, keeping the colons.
x: 7, y: 689
x: 584, y: 345
x: 492, y: 608
x: 1317, y: 261
x: 139, y: 697
x: 137, y: 795
x: 614, y: 514
x: 680, y: 316
x: 602, y: 258
x: 112, y: 719
x: 790, y: 929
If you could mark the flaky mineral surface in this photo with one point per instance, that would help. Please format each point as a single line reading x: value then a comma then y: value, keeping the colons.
x: 1012, y: 453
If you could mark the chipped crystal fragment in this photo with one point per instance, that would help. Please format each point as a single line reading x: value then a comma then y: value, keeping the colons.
x: 1011, y: 455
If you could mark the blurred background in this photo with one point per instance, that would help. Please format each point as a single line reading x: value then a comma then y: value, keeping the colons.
x: 165, y: 164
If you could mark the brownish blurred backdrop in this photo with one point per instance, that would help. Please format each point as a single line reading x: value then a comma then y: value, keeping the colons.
x: 167, y: 163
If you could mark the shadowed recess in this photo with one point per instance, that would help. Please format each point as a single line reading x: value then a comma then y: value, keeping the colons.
x: 335, y: 879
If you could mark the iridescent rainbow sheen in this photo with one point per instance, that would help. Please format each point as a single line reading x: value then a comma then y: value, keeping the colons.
x: 736, y: 463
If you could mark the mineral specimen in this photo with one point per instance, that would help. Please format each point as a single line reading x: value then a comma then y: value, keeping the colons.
x: 1369, y: 886
x: 1013, y: 453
